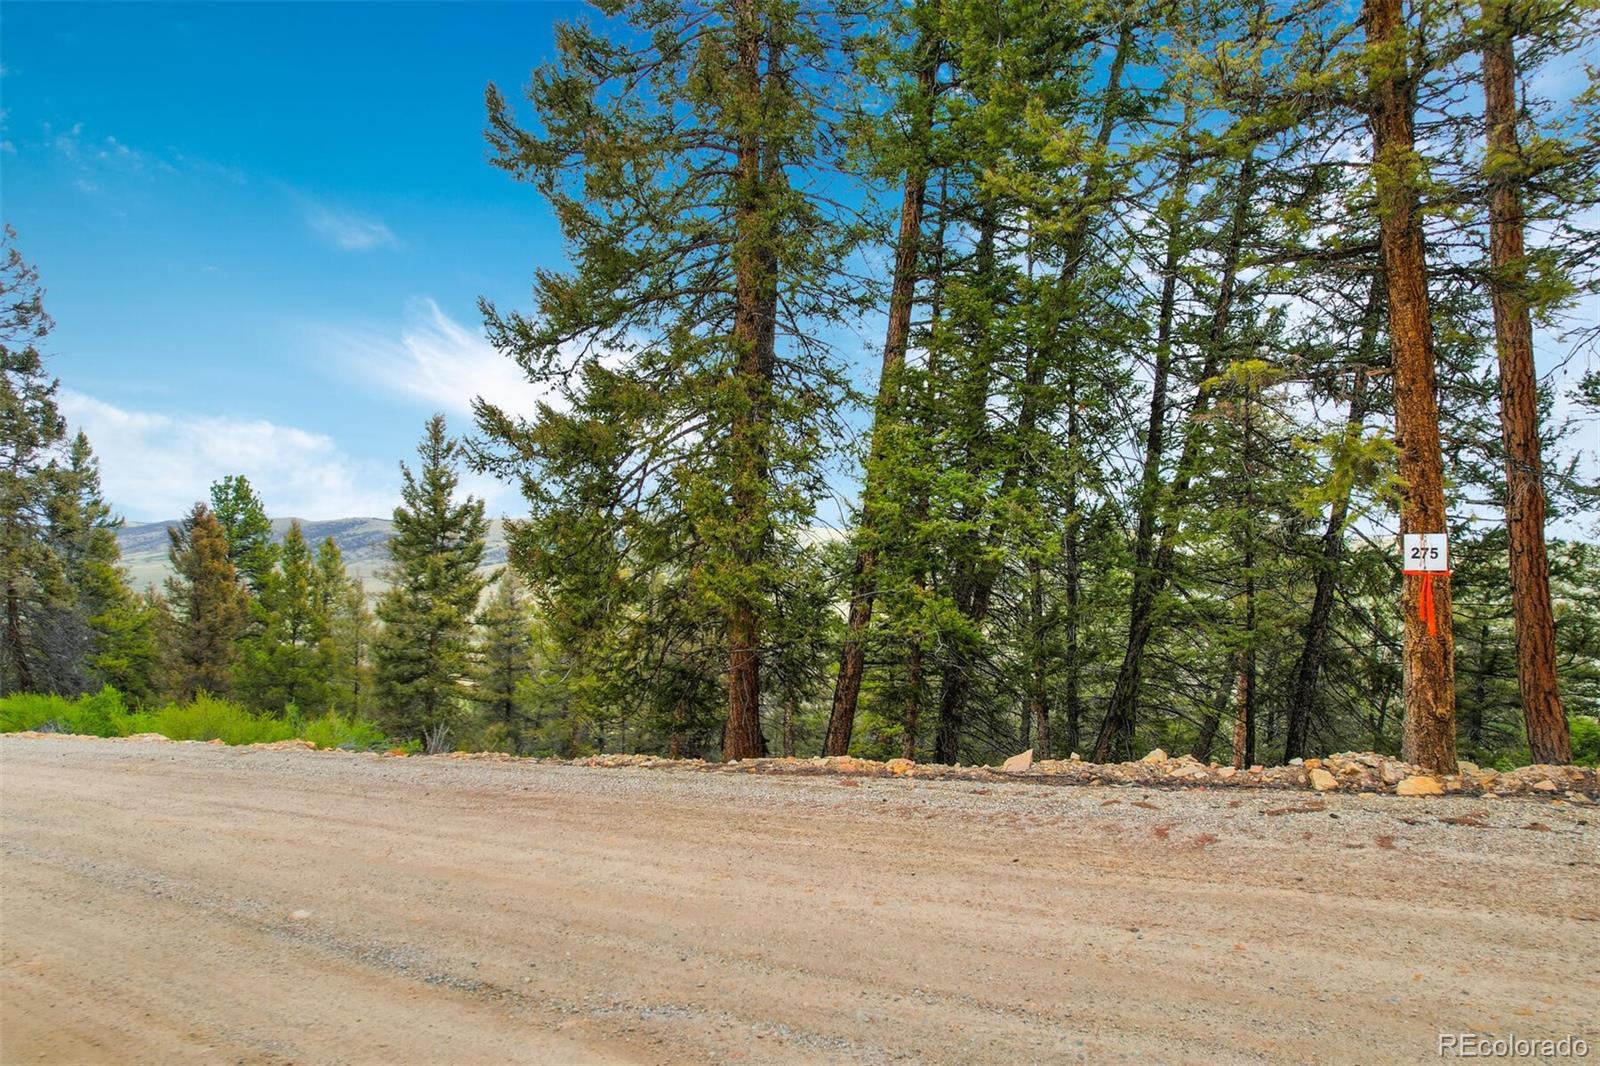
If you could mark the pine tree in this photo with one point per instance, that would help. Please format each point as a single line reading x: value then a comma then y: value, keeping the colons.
x: 96, y: 608
x: 286, y: 661
x: 343, y: 602
x: 1392, y: 72
x: 1547, y: 730
x: 423, y: 655
x: 209, y: 608
x: 31, y: 429
x: 249, y: 531
x: 505, y: 665
x: 678, y: 149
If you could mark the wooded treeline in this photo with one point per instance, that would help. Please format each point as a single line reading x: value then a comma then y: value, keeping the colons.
x: 1182, y: 306
x: 1132, y: 335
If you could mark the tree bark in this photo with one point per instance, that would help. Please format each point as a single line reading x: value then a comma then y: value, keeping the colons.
x: 1548, y: 737
x: 754, y: 327
x: 1207, y: 736
x: 1243, y: 708
x: 902, y: 294
x: 908, y: 740
x: 1303, y: 694
x: 1429, y: 658
x: 1036, y: 716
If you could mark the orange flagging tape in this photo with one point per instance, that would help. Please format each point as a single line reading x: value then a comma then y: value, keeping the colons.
x: 1426, y: 611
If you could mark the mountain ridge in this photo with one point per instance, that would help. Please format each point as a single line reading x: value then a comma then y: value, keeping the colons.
x: 364, y: 542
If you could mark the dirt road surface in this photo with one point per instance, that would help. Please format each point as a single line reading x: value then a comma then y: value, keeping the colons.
x: 191, y: 903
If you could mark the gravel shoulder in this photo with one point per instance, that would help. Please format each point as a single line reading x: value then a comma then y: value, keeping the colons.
x: 188, y: 902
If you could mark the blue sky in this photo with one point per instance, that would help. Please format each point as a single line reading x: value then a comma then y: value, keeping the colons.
x: 263, y: 229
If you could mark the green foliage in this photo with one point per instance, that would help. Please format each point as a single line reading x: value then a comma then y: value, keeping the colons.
x: 246, y: 528
x: 208, y: 718
x: 209, y: 608
x: 33, y: 584
x: 688, y: 344
x: 424, y: 653
x: 288, y: 659
x: 505, y: 665
x: 335, y: 731
x: 105, y: 714
x: 1585, y: 740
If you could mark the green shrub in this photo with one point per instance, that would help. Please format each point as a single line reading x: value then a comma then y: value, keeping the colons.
x: 207, y: 718
x: 332, y: 731
x: 104, y: 714
x: 27, y: 711
x: 1585, y: 740
x: 101, y: 714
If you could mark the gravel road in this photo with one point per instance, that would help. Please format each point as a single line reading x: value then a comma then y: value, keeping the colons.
x: 187, y: 902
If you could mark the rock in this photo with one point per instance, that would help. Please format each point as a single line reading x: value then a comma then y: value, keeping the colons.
x: 397, y: 752
x: 1321, y: 780
x: 1155, y: 756
x: 1075, y: 757
x: 1419, y: 786
x: 1296, y: 762
x: 1546, y: 786
x: 1226, y: 772
x: 299, y: 915
x: 287, y: 745
x: 1018, y: 764
x: 1312, y: 764
x: 1466, y: 767
x: 899, y: 767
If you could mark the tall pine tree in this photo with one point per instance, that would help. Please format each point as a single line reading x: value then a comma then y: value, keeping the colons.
x: 209, y: 608
x: 423, y: 656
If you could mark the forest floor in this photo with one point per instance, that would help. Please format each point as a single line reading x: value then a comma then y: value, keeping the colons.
x: 188, y: 902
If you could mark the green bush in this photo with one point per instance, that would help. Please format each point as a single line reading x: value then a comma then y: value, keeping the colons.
x: 212, y: 719
x: 104, y: 714
x: 332, y: 731
x: 101, y: 714
x: 27, y: 711
x: 1585, y: 740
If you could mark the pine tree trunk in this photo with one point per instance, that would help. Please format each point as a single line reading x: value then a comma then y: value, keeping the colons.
x: 1154, y: 551
x: 1244, y: 737
x: 1429, y: 658
x: 753, y: 333
x: 1241, y: 710
x: 979, y: 584
x: 1207, y: 736
x: 16, y: 645
x: 902, y: 294
x: 1548, y: 738
x: 791, y: 711
x: 908, y: 743
x: 1313, y: 649
x: 1036, y: 717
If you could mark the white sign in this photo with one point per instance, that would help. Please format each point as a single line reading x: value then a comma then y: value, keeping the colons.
x: 1425, y: 552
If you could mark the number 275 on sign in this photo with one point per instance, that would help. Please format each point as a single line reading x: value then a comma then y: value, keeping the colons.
x: 1425, y: 552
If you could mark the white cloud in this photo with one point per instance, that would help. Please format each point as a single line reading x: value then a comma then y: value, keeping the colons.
x: 434, y: 359
x: 347, y: 231
x: 155, y: 466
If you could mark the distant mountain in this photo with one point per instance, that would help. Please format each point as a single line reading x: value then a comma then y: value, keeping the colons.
x: 364, y: 542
